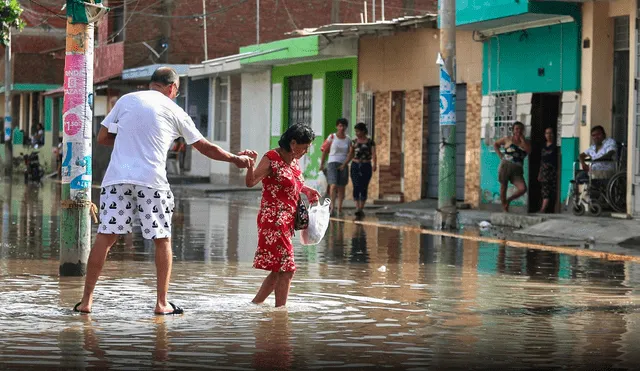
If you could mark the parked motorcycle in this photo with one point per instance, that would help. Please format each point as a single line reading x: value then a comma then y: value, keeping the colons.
x: 33, y: 170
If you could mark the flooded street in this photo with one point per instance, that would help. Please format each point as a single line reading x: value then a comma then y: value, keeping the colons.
x: 366, y: 297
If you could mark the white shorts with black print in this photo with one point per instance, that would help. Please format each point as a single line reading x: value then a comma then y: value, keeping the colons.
x: 122, y: 204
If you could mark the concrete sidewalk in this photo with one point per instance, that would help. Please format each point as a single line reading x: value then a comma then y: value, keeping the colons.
x: 601, y: 230
x: 566, y: 227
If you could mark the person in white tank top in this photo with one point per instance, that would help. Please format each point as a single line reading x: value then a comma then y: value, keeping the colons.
x: 336, y: 151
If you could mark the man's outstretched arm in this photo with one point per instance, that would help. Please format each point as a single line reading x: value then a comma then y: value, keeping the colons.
x: 214, y: 152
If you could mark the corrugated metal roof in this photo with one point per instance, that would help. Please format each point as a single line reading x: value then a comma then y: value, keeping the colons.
x: 372, y: 27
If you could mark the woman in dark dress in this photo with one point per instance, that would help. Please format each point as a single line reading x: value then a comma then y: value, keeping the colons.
x: 548, y: 174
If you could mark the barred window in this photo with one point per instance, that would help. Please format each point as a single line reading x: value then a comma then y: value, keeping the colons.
x: 300, y: 99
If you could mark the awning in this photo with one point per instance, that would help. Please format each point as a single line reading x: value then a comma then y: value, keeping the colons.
x: 357, y: 29
x: 226, y: 65
x: 145, y: 72
x: 26, y: 88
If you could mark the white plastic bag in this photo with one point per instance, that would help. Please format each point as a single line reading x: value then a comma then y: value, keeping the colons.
x: 318, y: 224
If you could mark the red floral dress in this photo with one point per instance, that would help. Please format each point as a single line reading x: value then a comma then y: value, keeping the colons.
x: 280, y: 194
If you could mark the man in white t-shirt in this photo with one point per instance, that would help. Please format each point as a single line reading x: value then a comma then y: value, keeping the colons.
x: 141, y: 127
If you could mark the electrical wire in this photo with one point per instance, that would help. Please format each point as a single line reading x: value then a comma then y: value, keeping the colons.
x: 293, y: 22
x: 196, y: 15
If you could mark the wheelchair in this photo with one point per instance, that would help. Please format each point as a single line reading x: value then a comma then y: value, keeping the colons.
x: 596, y: 190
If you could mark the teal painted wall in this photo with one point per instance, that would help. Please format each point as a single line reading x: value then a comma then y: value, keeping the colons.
x: 476, y: 11
x: 48, y: 113
x: 473, y: 11
x: 332, y: 71
x: 490, y: 187
x: 511, y: 61
x: 570, y: 148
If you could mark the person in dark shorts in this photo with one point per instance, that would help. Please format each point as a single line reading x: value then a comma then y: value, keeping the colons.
x: 363, y: 154
x: 511, y: 170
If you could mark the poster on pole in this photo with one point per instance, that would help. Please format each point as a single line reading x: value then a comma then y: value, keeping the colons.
x: 7, y: 128
x: 447, y: 95
x: 77, y: 113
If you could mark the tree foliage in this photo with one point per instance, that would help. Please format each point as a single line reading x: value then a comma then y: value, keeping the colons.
x: 10, y: 12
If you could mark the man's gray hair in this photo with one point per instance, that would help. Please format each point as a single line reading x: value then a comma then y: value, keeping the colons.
x: 165, y: 76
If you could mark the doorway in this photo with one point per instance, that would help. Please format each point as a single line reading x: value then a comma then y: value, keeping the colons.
x: 545, y: 109
x: 620, y: 96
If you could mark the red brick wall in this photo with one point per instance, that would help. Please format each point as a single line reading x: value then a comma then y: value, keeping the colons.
x: 108, y: 61
x: 232, y: 24
x: 37, y: 69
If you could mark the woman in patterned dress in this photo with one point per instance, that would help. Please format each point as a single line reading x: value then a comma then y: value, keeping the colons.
x: 548, y: 169
x: 282, y: 183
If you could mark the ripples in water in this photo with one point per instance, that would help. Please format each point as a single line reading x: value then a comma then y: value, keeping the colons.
x: 439, y: 302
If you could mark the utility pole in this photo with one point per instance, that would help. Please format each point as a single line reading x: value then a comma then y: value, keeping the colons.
x: 204, y: 18
x: 335, y: 11
x: 8, y: 145
x: 75, y: 223
x: 447, y: 208
x: 257, y: 22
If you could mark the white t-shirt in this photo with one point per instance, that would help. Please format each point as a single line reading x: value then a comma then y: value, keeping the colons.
x: 339, y: 149
x: 146, y: 123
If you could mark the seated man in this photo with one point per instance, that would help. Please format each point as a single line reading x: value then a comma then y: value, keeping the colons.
x: 602, y: 153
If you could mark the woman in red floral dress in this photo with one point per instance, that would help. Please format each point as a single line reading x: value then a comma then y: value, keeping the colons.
x: 282, y: 183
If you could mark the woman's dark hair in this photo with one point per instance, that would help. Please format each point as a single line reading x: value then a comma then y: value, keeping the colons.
x: 342, y: 121
x: 599, y: 127
x: 518, y: 123
x: 301, y: 133
x: 361, y: 126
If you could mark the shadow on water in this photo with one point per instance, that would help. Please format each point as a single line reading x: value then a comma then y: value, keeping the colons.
x: 365, y: 297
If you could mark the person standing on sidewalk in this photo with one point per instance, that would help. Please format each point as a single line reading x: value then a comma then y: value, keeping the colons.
x: 141, y: 128
x: 363, y: 154
x: 336, y: 149
x: 548, y: 173
x: 516, y: 149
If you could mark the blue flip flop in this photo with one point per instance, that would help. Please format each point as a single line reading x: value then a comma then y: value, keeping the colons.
x: 75, y: 309
x: 176, y: 310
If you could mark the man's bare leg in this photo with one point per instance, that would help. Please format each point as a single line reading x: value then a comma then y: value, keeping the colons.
x: 268, y: 285
x: 97, y: 257
x: 164, y: 261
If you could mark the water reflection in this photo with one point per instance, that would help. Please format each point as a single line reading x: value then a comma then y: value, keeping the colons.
x: 438, y: 302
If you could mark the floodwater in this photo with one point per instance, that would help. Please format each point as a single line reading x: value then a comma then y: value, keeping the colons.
x: 438, y: 302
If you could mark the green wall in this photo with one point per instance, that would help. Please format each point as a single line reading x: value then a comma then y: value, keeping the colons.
x: 332, y: 71
x: 298, y: 47
x: 511, y: 61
